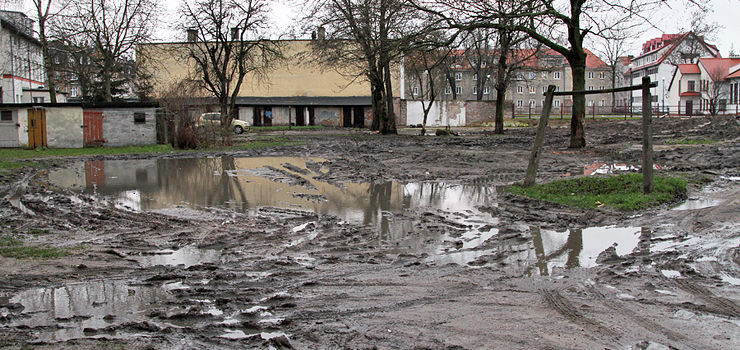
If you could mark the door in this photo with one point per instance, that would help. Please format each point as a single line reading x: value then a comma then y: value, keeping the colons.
x: 92, y: 126
x: 689, y: 107
x: 36, y: 128
x: 347, y: 117
x: 300, y: 118
x: 359, y: 117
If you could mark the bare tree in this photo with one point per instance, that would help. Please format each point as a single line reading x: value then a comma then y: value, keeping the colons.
x: 46, y: 13
x: 112, y: 28
x: 613, y: 48
x: 228, y: 47
x: 716, y: 89
x: 364, y: 39
x: 561, y: 27
x: 479, y: 56
x: 426, y: 69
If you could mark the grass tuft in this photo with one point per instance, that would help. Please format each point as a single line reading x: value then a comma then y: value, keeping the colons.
x: 621, y: 192
x: 13, y: 248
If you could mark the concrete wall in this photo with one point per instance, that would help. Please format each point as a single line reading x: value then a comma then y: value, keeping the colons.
x: 452, y: 113
x: 328, y: 116
x: 9, y: 131
x: 120, y: 130
x: 63, y: 127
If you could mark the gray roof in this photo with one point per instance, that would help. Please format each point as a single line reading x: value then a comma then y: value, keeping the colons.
x: 326, y: 101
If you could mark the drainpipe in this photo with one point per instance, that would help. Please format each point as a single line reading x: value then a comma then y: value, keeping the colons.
x: 403, y: 78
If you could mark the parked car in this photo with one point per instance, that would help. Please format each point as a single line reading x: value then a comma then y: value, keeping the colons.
x: 214, y: 119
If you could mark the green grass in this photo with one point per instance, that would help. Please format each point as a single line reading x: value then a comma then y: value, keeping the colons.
x: 13, y: 248
x: 621, y: 192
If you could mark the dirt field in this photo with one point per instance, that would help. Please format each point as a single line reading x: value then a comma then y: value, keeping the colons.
x: 511, y: 273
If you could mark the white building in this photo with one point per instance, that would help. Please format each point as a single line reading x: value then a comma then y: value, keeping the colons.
x: 710, y: 85
x: 21, y: 61
x: 660, y: 60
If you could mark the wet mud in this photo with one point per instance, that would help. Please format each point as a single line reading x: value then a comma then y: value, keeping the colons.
x: 361, y: 241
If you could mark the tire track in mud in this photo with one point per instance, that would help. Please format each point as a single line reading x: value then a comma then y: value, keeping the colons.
x: 679, y: 341
x: 714, y: 304
x: 563, y: 306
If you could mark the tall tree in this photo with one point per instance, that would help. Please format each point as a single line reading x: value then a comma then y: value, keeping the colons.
x: 613, y: 50
x: 228, y: 47
x: 364, y: 39
x: 112, y: 28
x: 46, y: 12
x: 563, y: 27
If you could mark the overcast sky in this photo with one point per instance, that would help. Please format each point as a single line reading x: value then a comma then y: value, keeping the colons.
x: 725, y: 12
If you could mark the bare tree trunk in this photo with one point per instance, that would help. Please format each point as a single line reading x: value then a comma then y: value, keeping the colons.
x: 578, y: 117
x: 499, y: 118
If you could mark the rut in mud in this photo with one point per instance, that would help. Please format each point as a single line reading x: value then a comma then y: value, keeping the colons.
x: 367, y: 241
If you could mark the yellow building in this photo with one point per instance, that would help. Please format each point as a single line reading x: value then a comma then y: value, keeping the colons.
x: 297, y: 91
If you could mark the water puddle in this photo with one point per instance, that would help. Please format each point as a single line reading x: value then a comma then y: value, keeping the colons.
x: 580, y: 247
x: 187, y: 256
x: 601, y: 168
x: 695, y: 203
x: 255, y: 184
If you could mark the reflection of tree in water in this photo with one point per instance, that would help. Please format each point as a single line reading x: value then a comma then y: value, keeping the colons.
x: 379, y: 200
x: 573, y: 246
x: 203, y: 179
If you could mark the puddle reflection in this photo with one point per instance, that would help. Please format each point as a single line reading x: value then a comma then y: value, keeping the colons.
x: 580, y: 247
x: 187, y: 256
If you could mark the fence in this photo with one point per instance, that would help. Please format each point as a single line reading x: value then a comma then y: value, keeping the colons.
x: 624, y: 111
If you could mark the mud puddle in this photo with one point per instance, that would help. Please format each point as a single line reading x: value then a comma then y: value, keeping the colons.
x: 187, y: 256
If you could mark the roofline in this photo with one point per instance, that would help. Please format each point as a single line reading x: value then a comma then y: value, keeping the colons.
x: 10, y: 25
x: 86, y: 105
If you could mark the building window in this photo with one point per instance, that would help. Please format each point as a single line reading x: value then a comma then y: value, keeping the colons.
x: 602, y: 75
x: 415, y: 91
x: 533, y: 103
x: 602, y: 103
x: 6, y: 116
x: 556, y: 75
x: 458, y: 76
x: 601, y: 87
x: 139, y: 118
x: 542, y: 103
x: 475, y: 90
x: 691, y: 85
x: 532, y: 75
x: 458, y: 90
x: 531, y: 89
x: 544, y: 75
x: 519, y: 103
x: 590, y: 103
x: 590, y: 88
x: 475, y: 76
x: 557, y: 88
x: 485, y: 90
x: 38, y: 100
x: 520, y: 89
x: 590, y: 75
x: 556, y: 103
x: 448, y: 90
x: 520, y: 76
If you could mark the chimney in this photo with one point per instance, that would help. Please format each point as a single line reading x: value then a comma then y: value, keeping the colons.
x: 192, y: 35
x: 235, y: 33
x: 321, y: 33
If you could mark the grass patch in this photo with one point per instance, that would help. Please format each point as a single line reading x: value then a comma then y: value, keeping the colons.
x: 13, y: 248
x: 689, y: 142
x: 621, y: 192
x: 66, y: 152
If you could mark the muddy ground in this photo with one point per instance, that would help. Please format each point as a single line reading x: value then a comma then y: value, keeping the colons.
x: 279, y: 278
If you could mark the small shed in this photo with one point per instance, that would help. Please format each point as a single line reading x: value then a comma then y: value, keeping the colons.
x: 73, y: 125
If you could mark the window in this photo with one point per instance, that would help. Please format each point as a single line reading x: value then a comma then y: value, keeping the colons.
x: 38, y: 100
x: 458, y: 76
x: 691, y: 85
x: 542, y: 103
x: 6, y: 116
x: 590, y: 103
x: 532, y: 75
x: 519, y: 103
x: 601, y: 87
x: 557, y: 88
x: 448, y: 90
x: 531, y: 89
x: 556, y: 75
x: 556, y: 103
x: 544, y: 75
x: 602, y: 75
x: 533, y: 103
x: 139, y: 118
x: 520, y: 76
x: 590, y: 75
x: 458, y: 90
x: 602, y: 103
x: 520, y: 89
x: 475, y: 76
x: 475, y: 90
x: 590, y: 88
x: 485, y: 90
x: 415, y: 91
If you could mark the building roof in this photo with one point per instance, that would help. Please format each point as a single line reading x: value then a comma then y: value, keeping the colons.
x: 718, y: 68
x: 689, y: 68
x: 736, y: 74
x: 690, y: 93
x: 674, y: 40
